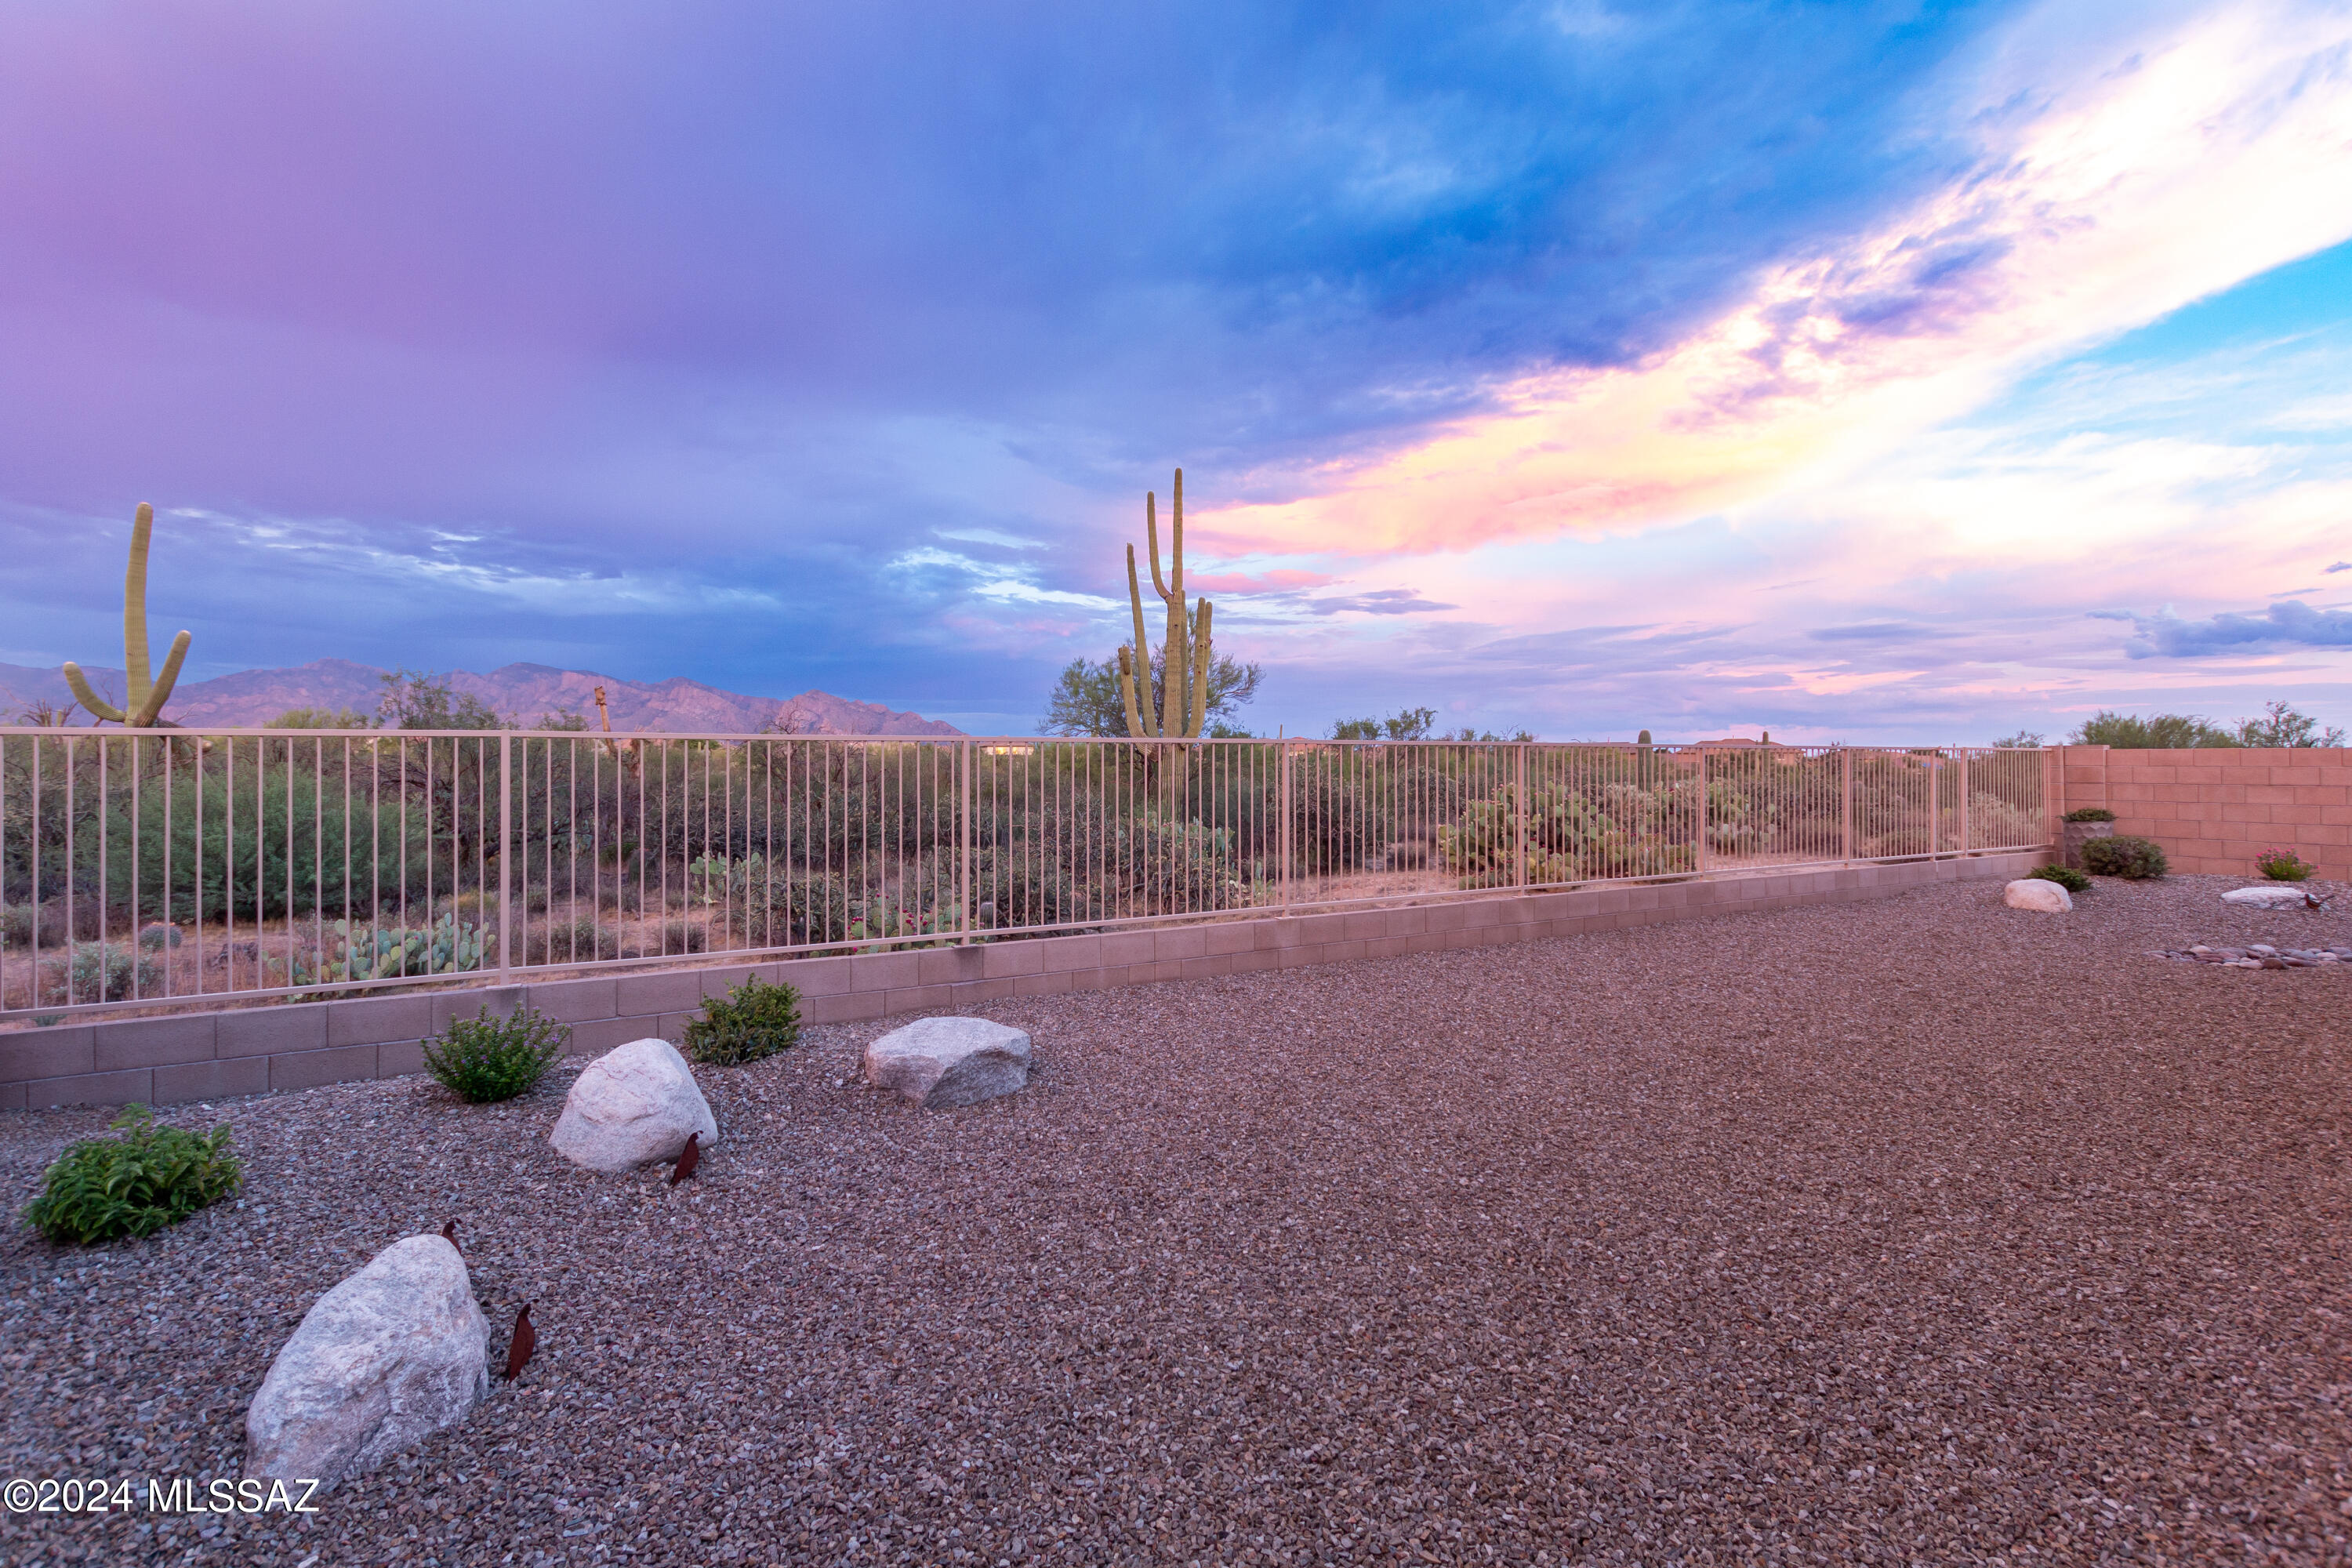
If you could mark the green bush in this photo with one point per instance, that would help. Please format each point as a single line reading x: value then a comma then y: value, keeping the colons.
x: 2283, y: 865
x: 753, y: 1020
x: 2066, y: 877
x: 104, y: 972
x: 2136, y: 859
x: 103, y: 1188
x: 2090, y: 813
x: 485, y: 1059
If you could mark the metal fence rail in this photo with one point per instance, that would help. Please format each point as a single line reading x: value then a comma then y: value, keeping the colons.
x: 147, y: 866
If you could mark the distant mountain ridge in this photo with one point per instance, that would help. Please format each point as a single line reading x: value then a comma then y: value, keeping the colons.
x: 521, y: 692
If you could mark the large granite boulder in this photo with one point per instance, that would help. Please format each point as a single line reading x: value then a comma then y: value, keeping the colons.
x: 2270, y: 896
x: 942, y: 1062
x: 634, y: 1104
x: 389, y: 1356
x: 2037, y: 893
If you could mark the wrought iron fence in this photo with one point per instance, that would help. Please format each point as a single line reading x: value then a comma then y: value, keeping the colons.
x: 145, y: 867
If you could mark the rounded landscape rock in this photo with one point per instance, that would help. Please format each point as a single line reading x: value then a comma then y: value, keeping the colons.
x: 387, y: 1357
x: 943, y: 1062
x: 2037, y: 893
x: 635, y: 1104
x: 2269, y: 895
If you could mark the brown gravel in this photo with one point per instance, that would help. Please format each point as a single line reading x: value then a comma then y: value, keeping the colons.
x: 1920, y: 1230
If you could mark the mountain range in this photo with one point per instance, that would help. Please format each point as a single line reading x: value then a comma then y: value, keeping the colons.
x: 523, y: 693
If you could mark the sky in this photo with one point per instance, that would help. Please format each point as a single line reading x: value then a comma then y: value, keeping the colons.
x: 1856, y: 372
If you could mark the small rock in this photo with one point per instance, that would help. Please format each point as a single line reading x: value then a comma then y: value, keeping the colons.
x: 2269, y: 895
x: 390, y: 1355
x: 2261, y: 948
x: 2035, y: 893
x: 633, y: 1105
x: 942, y: 1062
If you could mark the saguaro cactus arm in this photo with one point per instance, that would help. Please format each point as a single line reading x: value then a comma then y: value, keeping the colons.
x: 1137, y: 721
x: 143, y: 698
x: 1140, y: 721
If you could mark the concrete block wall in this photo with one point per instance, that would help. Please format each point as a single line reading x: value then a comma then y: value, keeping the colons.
x: 2215, y: 808
x: 252, y: 1050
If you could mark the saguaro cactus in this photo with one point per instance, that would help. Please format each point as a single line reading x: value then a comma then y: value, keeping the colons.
x: 1184, y: 678
x: 143, y: 700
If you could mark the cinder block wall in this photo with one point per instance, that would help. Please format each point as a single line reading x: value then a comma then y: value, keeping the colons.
x: 209, y: 1055
x: 2213, y: 809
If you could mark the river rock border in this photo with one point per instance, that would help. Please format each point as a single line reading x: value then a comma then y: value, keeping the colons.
x: 2261, y: 955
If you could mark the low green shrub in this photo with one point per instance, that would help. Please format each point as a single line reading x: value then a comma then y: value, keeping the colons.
x: 2135, y: 859
x: 2283, y: 865
x: 2066, y: 877
x: 684, y: 936
x: 2090, y: 813
x: 104, y: 972
x: 753, y: 1020
x: 484, y: 1059
x: 104, y: 1188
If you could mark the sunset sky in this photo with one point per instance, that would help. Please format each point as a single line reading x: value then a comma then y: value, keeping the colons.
x: 1859, y: 372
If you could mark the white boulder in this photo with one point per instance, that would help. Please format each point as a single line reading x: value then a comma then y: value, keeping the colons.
x: 2037, y: 893
x: 391, y: 1355
x: 634, y: 1104
x: 2269, y: 895
x: 942, y: 1062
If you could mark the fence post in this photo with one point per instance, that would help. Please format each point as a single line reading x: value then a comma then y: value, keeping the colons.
x: 506, y: 856
x: 971, y: 767
x: 1520, y: 766
x: 1282, y: 815
x: 1964, y: 797
x: 1845, y: 803
x: 1702, y: 857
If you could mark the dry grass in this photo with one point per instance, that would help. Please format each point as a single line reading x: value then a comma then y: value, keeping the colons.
x: 1920, y: 1230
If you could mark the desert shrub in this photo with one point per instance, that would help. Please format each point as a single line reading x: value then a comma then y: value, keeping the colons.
x: 2283, y: 865
x: 1163, y: 865
x: 22, y: 925
x: 484, y: 1059
x: 106, y: 972
x: 754, y: 1020
x: 684, y: 936
x: 785, y: 908
x: 2136, y: 859
x: 571, y: 942
x: 1627, y: 831
x: 1017, y: 886
x: 1993, y: 821
x: 2090, y: 813
x: 150, y: 1176
x: 2066, y: 877
x: 259, y: 836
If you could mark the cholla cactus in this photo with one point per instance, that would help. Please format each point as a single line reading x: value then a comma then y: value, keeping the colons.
x: 1184, y: 678
x: 143, y: 700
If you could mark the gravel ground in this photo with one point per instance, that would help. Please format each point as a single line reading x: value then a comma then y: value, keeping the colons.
x: 1921, y: 1230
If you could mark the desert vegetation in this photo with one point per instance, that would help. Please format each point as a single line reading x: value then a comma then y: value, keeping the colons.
x: 156, y: 864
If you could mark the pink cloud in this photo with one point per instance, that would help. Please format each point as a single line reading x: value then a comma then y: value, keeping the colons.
x: 1285, y: 581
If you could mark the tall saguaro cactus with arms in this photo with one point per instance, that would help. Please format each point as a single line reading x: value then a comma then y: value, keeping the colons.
x: 1188, y: 652
x: 142, y: 701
